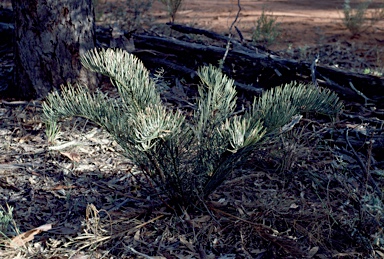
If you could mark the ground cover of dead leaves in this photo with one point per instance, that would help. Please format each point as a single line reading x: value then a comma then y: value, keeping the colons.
x: 78, y: 198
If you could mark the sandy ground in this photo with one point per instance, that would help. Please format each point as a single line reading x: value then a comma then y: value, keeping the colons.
x: 301, y: 22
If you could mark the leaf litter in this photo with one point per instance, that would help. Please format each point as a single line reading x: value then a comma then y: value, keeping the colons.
x: 297, y: 197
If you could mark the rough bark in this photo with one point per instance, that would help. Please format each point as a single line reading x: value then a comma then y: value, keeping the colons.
x: 50, y: 37
x: 7, y: 31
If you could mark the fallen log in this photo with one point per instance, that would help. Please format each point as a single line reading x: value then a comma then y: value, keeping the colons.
x: 256, y: 68
x: 215, y: 36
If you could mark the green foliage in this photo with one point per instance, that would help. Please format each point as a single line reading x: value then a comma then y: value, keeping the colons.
x: 187, y: 158
x: 6, y: 218
x: 52, y: 131
x: 280, y: 104
x: 355, y: 19
x: 266, y: 30
x: 360, y: 18
x: 172, y: 7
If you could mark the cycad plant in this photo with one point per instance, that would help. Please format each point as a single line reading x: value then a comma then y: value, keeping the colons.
x: 185, y: 158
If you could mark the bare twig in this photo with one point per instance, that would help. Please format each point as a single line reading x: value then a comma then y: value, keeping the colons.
x: 366, y: 99
x: 140, y: 254
x: 363, y: 167
x: 237, y: 17
x: 313, y: 70
x: 230, y: 35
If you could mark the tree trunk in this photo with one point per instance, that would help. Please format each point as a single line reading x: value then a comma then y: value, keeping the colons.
x: 50, y: 37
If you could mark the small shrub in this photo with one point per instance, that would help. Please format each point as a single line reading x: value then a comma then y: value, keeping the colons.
x: 186, y: 158
x: 6, y: 221
x: 266, y: 30
x: 127, y: 14
x: 360, y: 18
x: 172, y: 7
x: 52, y: 131
x: 137, y: 9
x: 355, y: 19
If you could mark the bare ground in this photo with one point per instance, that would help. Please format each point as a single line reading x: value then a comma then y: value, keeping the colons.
x: 302, y: 22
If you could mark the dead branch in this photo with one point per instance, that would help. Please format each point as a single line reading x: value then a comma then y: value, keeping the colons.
x: 258, y: 69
